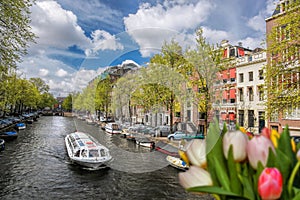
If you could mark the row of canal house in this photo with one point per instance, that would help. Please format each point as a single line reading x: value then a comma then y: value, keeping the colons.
x: 239, y: 94
x: 239, y: 89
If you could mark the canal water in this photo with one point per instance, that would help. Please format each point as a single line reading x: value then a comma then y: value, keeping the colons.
x: 36, y: 166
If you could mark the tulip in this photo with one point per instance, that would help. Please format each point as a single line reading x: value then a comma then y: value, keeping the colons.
x: 294, y: 148
x: 258, y: 150
x: 196, y: 152
x: 270, y: 184
x: 238, y: 140
x: 266, y: 132
x: 274, y: 137
x: 298, y: 155
x: 194, y: 177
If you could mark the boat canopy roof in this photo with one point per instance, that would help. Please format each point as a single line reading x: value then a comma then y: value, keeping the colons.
x: 83, y: 141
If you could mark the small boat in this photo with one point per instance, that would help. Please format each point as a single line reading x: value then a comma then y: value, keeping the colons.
x: 84, y: 150
x: 145, y: 142
x: 20, y: 126
x: 177, y: 163
x: 2, y: 145
x: 8, y: 134
x: 113, y: 128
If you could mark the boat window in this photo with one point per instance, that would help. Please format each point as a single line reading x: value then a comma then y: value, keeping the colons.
x: 102, y: 152
x: 83, y: 153
x: 93, y: 153
x: 115, y: 127
x: 77, y: 153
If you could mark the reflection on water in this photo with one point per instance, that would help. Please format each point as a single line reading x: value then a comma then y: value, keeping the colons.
x: 36, y: 166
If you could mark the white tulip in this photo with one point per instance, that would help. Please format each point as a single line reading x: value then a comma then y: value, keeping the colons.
x: 239, y: 141
x: 194, y: 177
x: 196, y: 152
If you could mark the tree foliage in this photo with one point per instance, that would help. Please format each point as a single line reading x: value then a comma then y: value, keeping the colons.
x: 15, y: 32
x: 282, y: 81
x: 205, y: 61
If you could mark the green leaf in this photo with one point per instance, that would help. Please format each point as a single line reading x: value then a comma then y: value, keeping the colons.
x: 215, y: 190
x: 214, y: 151
x: 222, y: 174
x: 247, y: 187
x: 233, y: 172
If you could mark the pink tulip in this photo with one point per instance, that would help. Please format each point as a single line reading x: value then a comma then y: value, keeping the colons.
x: 194, y: 177
x: 238, y: 140
x: 270, y: 184
x: 266, y: 132
x: 298, y: 155
x: 258, y: 150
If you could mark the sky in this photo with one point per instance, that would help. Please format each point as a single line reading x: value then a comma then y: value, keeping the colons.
x: 78, y: 39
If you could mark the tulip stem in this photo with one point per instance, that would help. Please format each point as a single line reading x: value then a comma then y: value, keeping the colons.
x: 292, y: 177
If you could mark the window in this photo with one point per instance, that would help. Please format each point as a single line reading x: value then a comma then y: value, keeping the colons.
x: 261, y: 95
x: 241, y: 117
x: 251, y: 94
x: 251, y: 118
x: 241, y: 78
x: 261, y: 74
x: 241, y: 94
x: 250, y: 76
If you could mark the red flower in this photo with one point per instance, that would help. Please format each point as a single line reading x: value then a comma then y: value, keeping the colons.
x: 270, y: 184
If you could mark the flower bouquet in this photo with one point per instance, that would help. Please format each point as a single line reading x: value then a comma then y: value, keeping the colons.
x: 237, y: 165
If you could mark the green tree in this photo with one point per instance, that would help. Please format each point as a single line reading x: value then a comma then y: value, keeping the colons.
x: 103, y: 96
x: 282, y: 69
x: 15, y: 32
x: 67, y: 103
x: 171, y: 61
x: 40, y: 85
x: 206, y: 62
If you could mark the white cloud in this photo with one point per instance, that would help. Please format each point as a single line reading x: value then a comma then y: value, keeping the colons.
x: 43, y: 72
x: 61, y: 73
x: 257, y: 22
x: 103, y: 40
x: 215, y: 36
x: 56, y: 27
x: 151, y: 25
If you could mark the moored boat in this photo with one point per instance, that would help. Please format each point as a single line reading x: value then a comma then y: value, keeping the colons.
x: 145, y: 142
x: 2, y: 144
x: 20, y: 126
x: 113, y: 128
x: 8, y: 134
x: 84, y: 150
x: 177, y: 163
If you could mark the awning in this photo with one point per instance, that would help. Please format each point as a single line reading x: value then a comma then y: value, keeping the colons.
x: 232, y: 94
x: 232, y: 73
x: 231, y: 116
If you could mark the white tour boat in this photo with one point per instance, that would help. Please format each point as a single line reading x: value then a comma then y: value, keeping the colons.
x: 113, y: 128
x: 84, y: 150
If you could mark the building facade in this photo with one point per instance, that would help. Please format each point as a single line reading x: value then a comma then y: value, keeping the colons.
x: 288, y: 114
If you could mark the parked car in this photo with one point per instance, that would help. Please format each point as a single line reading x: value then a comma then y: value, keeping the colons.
x: 160, y: 131
x: 178, y: 135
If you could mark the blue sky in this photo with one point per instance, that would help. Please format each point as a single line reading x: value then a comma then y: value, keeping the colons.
x: 78, y: 39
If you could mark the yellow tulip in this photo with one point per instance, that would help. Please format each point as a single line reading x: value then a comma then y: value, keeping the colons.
x: 274, y: 137
x: 293, y: 145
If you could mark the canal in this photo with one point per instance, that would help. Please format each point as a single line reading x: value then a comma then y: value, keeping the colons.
x: 36, y: 166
